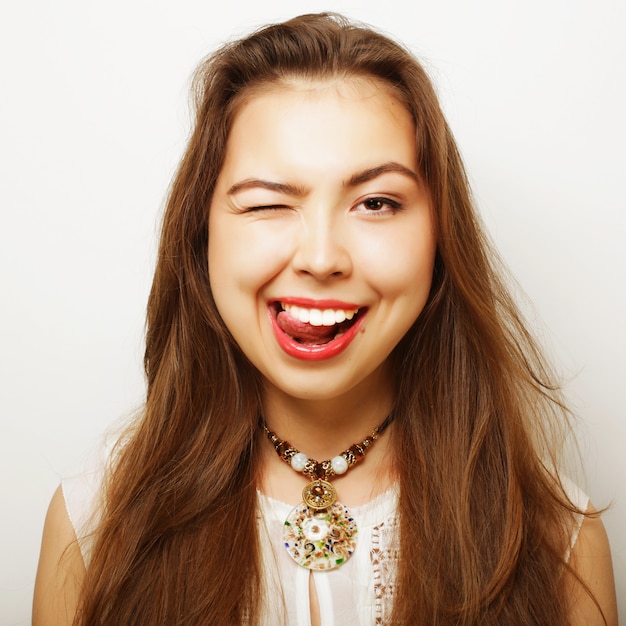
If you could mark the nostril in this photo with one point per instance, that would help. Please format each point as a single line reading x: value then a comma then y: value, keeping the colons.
x: 321, y: 251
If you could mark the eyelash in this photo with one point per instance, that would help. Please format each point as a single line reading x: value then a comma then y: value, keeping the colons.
x: 267, y: 207
x: 394, y: 206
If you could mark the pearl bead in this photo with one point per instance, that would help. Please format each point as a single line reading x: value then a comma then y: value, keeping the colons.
x: 299, y: 461
x: 340, y: 465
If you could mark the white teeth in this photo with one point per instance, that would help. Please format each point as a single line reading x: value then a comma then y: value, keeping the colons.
x: 328, y: 317
x: 315, y: 317
x: 319, y: 317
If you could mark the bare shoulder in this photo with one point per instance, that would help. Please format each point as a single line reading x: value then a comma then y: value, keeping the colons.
x: 591, y: 560
x: 60, y: 570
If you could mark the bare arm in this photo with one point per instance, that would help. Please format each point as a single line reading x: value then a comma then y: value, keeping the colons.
x: 60, y: 571
x: 591, y: 559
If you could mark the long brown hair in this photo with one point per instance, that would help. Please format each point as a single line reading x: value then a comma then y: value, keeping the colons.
x: 484, y: 521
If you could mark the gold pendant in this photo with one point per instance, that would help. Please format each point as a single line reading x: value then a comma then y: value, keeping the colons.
x: 319, y: 494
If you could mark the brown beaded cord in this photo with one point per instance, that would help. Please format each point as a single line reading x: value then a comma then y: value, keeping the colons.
x: 320, y: 494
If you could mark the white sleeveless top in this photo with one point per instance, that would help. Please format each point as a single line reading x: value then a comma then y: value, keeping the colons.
x: 358, y: 593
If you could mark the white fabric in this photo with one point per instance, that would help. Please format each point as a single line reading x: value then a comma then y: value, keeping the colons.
x: 358, y: 593
x: 82, y: 494
x: 581, y: 501
x: 354, y: 594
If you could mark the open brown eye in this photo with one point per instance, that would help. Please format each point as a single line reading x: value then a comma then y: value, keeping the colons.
x: 380, y: 204
x: 375, y: 204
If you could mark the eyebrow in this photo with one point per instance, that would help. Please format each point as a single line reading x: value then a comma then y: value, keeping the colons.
x: 374, y: 172
x: 255, y: 183
x: 299, y: 191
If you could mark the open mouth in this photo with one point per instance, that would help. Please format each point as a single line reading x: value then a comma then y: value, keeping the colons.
x: 314, y: 327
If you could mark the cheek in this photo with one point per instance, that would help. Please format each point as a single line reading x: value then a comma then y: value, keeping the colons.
x: 402, y: 266
x: 223, y: 269
x: 242, y: 257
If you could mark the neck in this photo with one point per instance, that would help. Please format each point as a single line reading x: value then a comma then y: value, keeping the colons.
x: 324, y: 428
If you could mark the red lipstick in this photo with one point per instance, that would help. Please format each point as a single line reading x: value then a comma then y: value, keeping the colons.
x: 313, y: 351
x: 309, y: 303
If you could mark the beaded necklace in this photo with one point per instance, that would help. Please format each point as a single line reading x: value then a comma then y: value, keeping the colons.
x: 321, y: 533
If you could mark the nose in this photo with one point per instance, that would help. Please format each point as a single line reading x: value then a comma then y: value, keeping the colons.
x: 322, y: 248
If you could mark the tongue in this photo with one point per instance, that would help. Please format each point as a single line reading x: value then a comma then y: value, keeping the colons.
x: 305, y: 333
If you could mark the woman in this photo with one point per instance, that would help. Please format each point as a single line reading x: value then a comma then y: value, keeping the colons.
x: 323, y: 280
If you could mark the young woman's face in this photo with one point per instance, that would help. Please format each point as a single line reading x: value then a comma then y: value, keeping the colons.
x: 321, y: 244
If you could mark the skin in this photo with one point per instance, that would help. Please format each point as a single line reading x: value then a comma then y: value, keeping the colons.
x: 319, y: 240
x: 60, y: 571
x: 591, y: 560
x: 309, y: 154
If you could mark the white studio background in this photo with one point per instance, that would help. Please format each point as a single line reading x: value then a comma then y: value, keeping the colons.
x: 94, y: 116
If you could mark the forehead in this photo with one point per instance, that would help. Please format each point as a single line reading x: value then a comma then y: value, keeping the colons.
x: 325, y: 124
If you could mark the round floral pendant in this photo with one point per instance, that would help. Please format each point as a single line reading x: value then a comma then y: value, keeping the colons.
x: 320, y: 539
